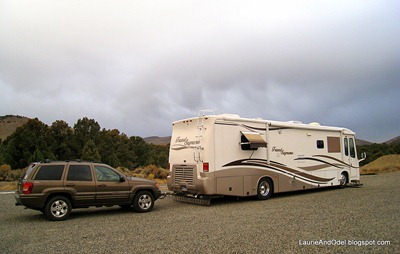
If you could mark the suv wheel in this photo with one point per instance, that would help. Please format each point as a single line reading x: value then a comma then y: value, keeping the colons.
x: 58, y: 208
x: 143, y: 202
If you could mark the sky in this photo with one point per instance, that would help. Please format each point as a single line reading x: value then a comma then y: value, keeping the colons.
x: 137, y: 66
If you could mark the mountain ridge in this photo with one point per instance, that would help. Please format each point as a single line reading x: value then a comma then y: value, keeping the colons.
x: 9, y: 123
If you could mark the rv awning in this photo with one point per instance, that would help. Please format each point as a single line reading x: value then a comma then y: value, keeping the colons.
x: 254, y: 139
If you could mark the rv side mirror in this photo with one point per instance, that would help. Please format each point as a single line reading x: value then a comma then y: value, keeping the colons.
x: 363, y: 156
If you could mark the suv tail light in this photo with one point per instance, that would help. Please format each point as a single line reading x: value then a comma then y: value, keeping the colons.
x: 206, y: 167
x: 27, y: 188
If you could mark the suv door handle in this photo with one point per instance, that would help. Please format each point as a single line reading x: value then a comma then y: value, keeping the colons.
x: 70, y: 185
x: 102, y: 185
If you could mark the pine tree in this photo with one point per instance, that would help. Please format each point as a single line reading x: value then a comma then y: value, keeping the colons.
x: 90, y: 152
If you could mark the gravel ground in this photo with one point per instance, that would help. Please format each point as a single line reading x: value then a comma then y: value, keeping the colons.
x: 346, y: 219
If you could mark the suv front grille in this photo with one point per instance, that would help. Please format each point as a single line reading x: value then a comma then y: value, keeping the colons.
x: 184, y: 173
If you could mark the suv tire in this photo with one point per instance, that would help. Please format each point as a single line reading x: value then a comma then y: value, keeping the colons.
x: 143, y: 202
x: 58, y: 208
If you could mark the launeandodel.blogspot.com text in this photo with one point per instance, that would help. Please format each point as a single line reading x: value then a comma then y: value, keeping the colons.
x: 346, y: 242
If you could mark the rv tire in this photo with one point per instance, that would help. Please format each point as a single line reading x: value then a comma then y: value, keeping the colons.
x: 264, y: 189
x: 343, y: 180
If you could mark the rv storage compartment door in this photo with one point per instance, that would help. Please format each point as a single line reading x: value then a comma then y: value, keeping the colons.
x: 252, y: 141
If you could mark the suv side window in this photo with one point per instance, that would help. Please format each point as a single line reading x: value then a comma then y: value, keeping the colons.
x: 50, y: 172
x: 105, y: 174
x: 28, y: 171
x: 79, y: 173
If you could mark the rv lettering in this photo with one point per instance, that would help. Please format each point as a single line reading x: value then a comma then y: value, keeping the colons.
x: 186, y: 141
x: 280, y: 150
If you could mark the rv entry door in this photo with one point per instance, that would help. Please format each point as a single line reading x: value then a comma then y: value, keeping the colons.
x: 351, y: 155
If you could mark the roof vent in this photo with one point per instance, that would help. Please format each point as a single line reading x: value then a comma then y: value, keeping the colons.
x: 231, y: 115
x: 314, y: 124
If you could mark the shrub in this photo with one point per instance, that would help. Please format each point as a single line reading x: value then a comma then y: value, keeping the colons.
x: 151, y: 172
x: 5, y: 169
x: 7, y: 174
x: 13, y: 175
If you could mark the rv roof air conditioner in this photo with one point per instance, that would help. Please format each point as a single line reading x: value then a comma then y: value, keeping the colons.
x: 230, y: 116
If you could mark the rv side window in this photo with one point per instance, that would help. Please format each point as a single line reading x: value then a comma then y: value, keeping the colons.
x: 346, y: 147
x: 320, y: 144
x: 352, y: 148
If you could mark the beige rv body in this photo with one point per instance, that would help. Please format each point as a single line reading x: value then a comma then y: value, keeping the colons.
x: 229, y: 155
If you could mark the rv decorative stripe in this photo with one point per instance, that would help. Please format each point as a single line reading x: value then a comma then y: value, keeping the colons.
x: 324, y: 162
x: 332, y: 158
x: 280, y: 168
x: 341, y: 164
x: 316, y: 167
x: 182, y: 147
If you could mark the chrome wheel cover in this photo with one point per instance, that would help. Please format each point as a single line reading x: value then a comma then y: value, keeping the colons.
x: 144, y: 202
x: 264, y: 188
x: 343, y: 179
x: 59, y: 208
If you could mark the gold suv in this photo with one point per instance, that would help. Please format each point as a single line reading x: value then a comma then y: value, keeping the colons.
x: 56, y: 187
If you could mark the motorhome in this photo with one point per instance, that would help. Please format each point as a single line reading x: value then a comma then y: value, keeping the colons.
x: 219, y: 155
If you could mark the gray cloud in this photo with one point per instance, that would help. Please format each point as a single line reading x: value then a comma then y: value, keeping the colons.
x: 137, y: 66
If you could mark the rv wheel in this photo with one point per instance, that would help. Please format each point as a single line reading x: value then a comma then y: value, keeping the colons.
x: 264, y: 190
x: 343, y: 180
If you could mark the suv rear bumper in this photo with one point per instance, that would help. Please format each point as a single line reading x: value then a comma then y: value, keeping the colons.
x: 30, y: 201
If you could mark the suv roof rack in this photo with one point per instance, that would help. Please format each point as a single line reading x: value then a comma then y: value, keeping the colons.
x: 78, y: 160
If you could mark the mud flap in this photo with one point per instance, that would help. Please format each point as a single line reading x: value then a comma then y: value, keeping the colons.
x: 206, y: 201
x: 354, y: 183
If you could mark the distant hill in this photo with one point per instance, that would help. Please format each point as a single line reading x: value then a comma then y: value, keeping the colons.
x: 387, y: 163
x: 360, y: 142
x: 393, y: 141
x: 155, y: 140
x: 9, y: 123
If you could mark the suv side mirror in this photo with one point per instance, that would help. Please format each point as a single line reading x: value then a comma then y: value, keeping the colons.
x: 121, y: 179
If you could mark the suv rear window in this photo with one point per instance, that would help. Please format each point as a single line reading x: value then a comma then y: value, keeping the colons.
x: 50, y: 172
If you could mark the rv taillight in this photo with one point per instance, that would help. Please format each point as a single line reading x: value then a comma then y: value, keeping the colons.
x: 27, y: 188
x: 206, y: 167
